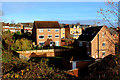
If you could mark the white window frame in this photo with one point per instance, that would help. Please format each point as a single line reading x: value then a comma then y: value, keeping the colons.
x: 56, y: 35
x: 41, y: 35
x: 49, y: 30
x: 42, y: 42
x: 6, y: 29
x: 52, y: 43
x: 56, y: 30
x: 40, y: 30
x: 49, y: 35
x: 74, y: 65
x: 57, y: 42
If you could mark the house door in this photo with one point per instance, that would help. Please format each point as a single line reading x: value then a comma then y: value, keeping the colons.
x: 57, y: 43
x: 74, y: 65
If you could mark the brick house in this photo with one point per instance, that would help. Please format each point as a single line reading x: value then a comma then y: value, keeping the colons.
x: 47, y: 33
x: 5, y: 26
x: 97, y: 42
x: 72, y: 30
x: 12, y: 27
x: 27, y: 27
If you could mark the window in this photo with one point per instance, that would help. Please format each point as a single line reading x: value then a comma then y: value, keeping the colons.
x: 56, y: 43
x: 48, y: 30
x: 49, y: 36
x: 80, y: 43
x: 51, y: 43
x: 86, y: 33
x: 6, y: 29
x: 41, y: 43
x: 40, y: 30
x: 92, y: 33
x: 74, y: 31
x: 12, y: 30
x: 103, y: 44
x: 103, y: 53
x: 74, y: 27
x: 5, y: 26
x: 41, y: 37
x: 71, y: 31
x: 103, y: 35
x: 88, y: 53
x: 63, y: 29
x: 74, y: 35
x: 63, y: 33
x: 56, y: 30
x: 63, y: 37
x: 87, y: 44
x: 56, y: 36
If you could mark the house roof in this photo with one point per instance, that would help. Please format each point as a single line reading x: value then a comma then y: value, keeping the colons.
x: 46, y: 24
x: 27, y: 24
x: 5, y: 24
x: 89, y: 33
x: 15, y: 25
x: 112, y: 31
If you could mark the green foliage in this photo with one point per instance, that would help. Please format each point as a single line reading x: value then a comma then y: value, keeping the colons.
x: 23, y: 44
x: 18, y: 32
x: 40, y: 70
x: 7, y: 40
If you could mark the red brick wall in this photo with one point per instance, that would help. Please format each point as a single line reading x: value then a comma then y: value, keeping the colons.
x: 46, y: 33
x: 73, y: 72
x: 109, y: 48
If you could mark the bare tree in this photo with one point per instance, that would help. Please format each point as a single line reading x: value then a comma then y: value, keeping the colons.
x: 111, y: 13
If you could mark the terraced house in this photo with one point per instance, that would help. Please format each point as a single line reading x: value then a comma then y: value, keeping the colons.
x: 98, y: 42
x: 47, y: 33
x: 12, y: 27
